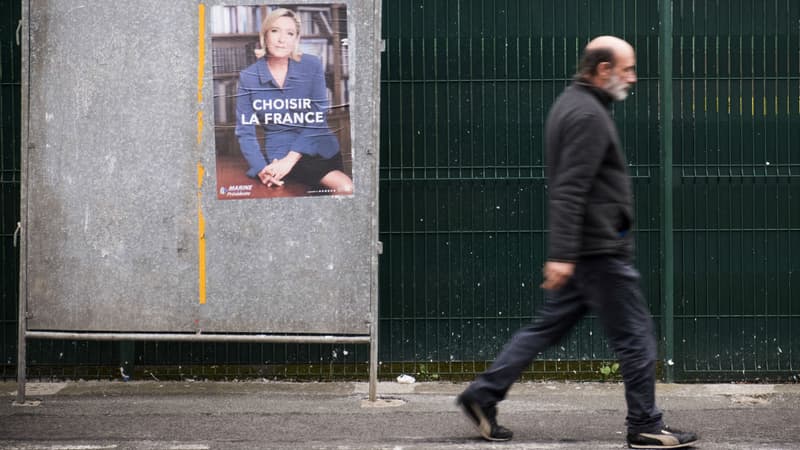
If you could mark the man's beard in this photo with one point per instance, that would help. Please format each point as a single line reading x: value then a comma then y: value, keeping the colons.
x: 617, y: 88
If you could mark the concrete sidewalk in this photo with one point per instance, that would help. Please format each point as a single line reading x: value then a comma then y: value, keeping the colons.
x: 253, y: 415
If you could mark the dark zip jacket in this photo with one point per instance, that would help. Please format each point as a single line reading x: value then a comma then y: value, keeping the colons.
x: 589, y: 192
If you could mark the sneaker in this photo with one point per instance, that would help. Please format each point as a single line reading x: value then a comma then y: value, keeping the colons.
x: 664, y: 438
x: 484, y: 418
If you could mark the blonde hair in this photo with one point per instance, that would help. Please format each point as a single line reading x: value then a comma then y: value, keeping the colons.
x: 267, y: 24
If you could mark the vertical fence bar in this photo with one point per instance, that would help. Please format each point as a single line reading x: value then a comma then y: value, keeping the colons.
x: 667, y: 265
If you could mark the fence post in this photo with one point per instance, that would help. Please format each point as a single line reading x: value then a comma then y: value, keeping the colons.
x: 22, y: 354
x: 667, y: 238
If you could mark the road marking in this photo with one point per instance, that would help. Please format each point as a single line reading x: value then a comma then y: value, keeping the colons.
x: 63, y: 447
x: 41, y: 388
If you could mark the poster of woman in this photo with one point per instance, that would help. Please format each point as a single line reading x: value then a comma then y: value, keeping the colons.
x: 281, y: 108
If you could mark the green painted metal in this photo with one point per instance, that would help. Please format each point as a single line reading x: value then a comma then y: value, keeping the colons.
x: 667, y: 241
x: 465, y: 88
x: 737, y: 116
x: 9, y: 181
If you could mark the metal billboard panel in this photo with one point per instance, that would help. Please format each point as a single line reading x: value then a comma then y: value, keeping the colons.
x: 124, y: 227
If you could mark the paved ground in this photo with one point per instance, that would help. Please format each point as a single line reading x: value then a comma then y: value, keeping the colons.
x: 253, y: 415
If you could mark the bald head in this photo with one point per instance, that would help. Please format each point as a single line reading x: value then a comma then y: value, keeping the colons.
x: 609, y: 63
x: 613, y: 43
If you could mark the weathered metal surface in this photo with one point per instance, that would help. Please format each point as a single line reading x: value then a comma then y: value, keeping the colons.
x: 118, y: 179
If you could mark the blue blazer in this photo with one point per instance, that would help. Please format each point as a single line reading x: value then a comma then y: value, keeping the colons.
x: 293, y: 118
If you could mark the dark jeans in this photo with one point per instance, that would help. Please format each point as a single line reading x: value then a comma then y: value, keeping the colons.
x: 609, y: 287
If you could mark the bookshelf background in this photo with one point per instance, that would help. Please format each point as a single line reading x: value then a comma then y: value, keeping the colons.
x: 234, y: 37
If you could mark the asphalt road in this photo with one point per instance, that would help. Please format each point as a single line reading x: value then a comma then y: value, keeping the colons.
x: 256, y: 415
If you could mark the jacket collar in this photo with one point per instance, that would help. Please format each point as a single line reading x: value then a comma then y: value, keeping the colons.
x: 265, y: 76
x: 602, y: 96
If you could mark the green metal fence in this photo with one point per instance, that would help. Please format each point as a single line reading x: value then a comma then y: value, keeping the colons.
x: 737, y: 188
x: 466, y: 88
x: 9, y: 180
x: 466, y: 85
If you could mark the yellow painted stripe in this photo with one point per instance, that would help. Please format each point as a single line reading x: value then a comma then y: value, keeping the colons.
x: 201, y: 57
x: 201, y: 221
x: 201, y: 233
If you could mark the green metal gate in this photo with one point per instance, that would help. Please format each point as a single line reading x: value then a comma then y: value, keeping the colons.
x: 466, y: 84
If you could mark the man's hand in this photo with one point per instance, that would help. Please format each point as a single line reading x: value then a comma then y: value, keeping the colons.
x: 556, y: 274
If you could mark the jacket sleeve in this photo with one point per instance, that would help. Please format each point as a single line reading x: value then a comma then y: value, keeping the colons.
x: 581, y: 151
x: 248, y: 141
x: 316, y: 138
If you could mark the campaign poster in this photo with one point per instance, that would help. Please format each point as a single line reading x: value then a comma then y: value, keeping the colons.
x: 281, y: 101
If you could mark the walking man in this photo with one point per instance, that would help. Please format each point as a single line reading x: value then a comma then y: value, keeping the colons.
x: 590, y: 253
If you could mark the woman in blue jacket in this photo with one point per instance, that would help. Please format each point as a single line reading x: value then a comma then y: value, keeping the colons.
x: 284, y: 92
